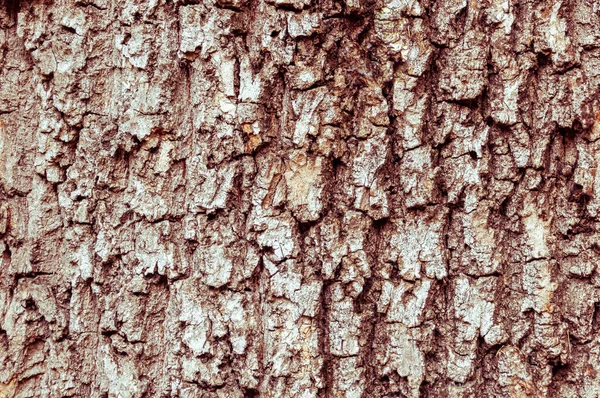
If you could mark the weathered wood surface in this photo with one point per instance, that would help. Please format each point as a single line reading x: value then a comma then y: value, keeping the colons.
x: 295, y: 198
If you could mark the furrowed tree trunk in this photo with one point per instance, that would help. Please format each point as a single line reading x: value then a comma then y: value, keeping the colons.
x: 296, y: 198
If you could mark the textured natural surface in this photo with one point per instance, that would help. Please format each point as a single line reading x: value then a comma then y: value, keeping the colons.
x: 299, y: 198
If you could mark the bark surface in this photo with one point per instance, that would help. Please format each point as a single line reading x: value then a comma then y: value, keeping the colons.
x: 298, y: 198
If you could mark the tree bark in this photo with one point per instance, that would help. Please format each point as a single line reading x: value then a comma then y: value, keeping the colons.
x: 296, y: 198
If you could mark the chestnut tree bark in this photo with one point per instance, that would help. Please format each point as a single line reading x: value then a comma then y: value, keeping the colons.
x: 299, y: 198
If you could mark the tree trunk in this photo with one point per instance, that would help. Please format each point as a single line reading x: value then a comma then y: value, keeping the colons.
x: 296, y: 198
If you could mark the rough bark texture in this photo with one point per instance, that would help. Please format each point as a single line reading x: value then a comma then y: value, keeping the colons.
x: 300, y: 198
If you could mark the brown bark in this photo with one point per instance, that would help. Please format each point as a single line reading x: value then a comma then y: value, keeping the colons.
x: 295, y: 198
